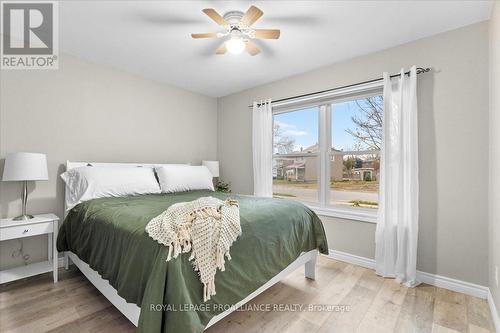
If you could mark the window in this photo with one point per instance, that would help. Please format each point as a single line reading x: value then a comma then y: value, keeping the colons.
x: 328, y: 155
x: 356, y: 131
x: 295, y: 160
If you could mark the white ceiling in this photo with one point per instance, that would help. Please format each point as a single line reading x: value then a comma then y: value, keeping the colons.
x: 152, y: 38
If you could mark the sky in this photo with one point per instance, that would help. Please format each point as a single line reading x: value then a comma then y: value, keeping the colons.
x: 302, y: 126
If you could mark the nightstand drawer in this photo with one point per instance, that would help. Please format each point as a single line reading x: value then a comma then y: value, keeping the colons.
x: 25, y: 230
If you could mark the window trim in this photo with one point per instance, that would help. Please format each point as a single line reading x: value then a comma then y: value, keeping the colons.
x: 337, y: 96
x: 324, y: 142
x: 345, y: 213
x: 323, y: 103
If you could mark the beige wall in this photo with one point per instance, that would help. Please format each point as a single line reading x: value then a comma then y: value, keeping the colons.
x: 453, y: 116
x: 494, y: 192
x: 89, y: 112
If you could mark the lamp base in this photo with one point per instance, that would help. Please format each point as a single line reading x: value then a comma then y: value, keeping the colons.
x: 24, y: 198
x: 23, y: 217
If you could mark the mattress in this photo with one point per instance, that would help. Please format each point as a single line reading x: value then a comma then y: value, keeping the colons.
x: 109, y: 235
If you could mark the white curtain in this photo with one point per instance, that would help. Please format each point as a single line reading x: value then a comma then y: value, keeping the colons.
x: 397, y: 224
x: 262, y: 145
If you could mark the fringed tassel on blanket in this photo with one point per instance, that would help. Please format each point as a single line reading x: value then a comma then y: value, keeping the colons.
x: 208, y: 290
x: 186, y: 227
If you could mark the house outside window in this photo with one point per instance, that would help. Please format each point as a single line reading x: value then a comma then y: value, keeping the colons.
x: 328, y: 155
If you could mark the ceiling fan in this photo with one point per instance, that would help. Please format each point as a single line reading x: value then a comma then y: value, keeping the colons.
x: 238, y: 26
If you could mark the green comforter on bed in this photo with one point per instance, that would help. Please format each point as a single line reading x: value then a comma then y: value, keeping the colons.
x: 108, y: 234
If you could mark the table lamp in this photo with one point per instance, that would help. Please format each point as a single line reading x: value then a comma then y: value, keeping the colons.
x: 213, y: 166
x: 25, y: 167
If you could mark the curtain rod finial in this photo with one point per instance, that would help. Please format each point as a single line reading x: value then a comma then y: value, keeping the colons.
x: 421, y: 70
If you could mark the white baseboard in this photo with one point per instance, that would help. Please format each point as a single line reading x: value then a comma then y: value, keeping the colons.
x: 467, y: 288
x: 494, y: 312
x: 432, y: 279
x: 352, y: 259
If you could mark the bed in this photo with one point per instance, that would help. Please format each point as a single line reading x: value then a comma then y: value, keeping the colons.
x: 106, y: 240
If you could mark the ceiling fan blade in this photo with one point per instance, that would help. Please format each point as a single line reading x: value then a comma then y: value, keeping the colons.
x: 205, y: 35
x: 253, y: 14
x: 221, y: 49
x: 251, y: 48
x: 267, y: 33
x: 210, y: 12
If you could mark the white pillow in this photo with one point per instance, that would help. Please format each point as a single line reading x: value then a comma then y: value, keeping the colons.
x: 181, y: 178
x: 91, y: 182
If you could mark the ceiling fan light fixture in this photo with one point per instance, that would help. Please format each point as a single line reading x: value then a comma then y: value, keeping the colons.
x: 235, y: 45
x: 238, y: 26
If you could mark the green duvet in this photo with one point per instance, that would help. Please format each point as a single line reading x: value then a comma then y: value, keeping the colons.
x: 108, y: 234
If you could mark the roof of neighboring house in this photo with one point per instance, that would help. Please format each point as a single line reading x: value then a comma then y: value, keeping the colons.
x: 315, y: 148
x: 312, y: 149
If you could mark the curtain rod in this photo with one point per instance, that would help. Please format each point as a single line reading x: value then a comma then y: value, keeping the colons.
x: 420, y: 70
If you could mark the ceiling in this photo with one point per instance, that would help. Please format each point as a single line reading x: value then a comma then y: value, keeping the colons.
x: 152, y: 38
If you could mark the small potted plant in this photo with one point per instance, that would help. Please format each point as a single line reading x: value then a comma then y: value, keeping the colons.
x: 221, y: 186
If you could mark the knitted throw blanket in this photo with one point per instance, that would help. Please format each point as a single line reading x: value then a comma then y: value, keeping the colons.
x: 207, y: 227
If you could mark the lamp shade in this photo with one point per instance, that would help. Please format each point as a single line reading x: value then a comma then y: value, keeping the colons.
x: 213, y: 166
x: 25, y: 166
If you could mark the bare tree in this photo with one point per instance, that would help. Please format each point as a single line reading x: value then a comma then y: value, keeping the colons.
x: 282, y: 143
x: 368, y: 123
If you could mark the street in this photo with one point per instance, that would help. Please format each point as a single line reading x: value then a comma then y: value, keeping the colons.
x: 336, y: 196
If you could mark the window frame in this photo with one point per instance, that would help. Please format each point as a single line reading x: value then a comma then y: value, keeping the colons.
x: 324, y: 102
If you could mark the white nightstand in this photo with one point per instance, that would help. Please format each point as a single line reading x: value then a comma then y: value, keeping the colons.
x: 39, y: 225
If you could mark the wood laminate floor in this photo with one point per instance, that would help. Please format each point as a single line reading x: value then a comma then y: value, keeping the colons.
x: 374, y: 304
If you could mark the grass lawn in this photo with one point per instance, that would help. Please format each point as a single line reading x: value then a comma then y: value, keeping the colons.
x: 279, y: 195
x: 364, y: 203
x: 346, y: 185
